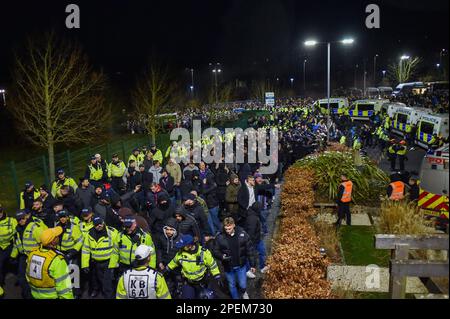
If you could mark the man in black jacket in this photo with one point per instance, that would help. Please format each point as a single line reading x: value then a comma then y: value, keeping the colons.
x: 253, y: 228
x: 194, y: 209
x: 160, y: 214
x: 167, y: 183
x: 234, y: 248
x: 47, y: 215
x: 186, y: 224
x: 166, y: 251
x: 208, y: 192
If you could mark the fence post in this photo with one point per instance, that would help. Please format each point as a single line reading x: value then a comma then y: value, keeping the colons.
x: 45, y: 169
x: 397, y: 284
x: 15, y: 181
x: 69, y: 162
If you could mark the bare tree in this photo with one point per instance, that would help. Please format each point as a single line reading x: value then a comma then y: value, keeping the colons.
x: 152, y: 96
x: 403, y: 70
x: 260, y: 88
x: 57, y: 97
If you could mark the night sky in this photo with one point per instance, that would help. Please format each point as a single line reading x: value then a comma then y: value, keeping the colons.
x: 251, y: 38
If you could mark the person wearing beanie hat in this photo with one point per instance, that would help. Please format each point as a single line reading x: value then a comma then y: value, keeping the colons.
x: 165, y: 246
x: 96, y: 254
x: 47, y: 271
x: 28, y: 233
x: 231, y: 196
x: 28, y: 195
x: 164, y: 210
x: 142, y: 281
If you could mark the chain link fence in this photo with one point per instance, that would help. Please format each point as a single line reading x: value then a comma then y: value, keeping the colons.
x: 14, y: 175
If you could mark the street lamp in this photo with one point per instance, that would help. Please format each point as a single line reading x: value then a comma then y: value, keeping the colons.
x: 304, y: 76
x: 216, y: 71
x: 375, y: 69
x: 3, y: 92
x: 384, y: 73
x: 311, y: 43
x: 292, y: 82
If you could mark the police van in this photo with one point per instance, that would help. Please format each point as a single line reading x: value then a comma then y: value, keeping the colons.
x: 391, y: 107
x: 404, y: 117
x: 434, y: 184
x: 429, y: 124
x: 337, y: 105
x: 364, y: 109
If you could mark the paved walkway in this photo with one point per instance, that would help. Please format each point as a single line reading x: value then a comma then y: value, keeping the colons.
x: 357, y: 219
x: 363, y: 279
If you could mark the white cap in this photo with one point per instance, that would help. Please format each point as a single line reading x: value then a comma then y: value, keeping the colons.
x: 97, y: 155
x: 142, y: 252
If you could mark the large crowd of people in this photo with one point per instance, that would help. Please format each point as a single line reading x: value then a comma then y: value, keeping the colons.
x: 197, y: 230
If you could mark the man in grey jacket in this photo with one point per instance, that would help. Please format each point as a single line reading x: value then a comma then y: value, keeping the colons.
x: 84, y: 193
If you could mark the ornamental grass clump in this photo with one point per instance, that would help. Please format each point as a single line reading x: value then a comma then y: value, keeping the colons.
x: 369, y: 181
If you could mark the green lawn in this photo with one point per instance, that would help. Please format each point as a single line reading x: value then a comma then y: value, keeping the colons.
x: 359, y: 248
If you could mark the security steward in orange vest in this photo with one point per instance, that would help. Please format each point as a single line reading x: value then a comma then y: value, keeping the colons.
x: 344, y: 198
x: 396, y: 189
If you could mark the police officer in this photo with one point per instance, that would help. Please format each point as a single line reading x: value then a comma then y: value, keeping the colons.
x: 7, y: 232
x: 392, y: 154
x: 47, y: 272
x: 401, y: 151
x: 196, y: 264
x: 27, y: 238
x: 94, y: 172
x: 126, y: 242
x: 157, y: 154
x: 71, y: 241
x: 142, y: 281
x: 28, y: 195
x: 116, y: 171
x: 344, y: 198
x: 95, y: 256
x: 87, y: 221
x: 62, y: 180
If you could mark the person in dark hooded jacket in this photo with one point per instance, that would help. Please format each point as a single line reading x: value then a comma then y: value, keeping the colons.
x: 209, y: 193
x: 194, y: 209
x: 167, y: 183
x: 221, y: 181
x: 186, y: 224
x: 186, y: 185
x: 253, y: 227
x: 196, y: 181
x: 151, y: 197
x: 160, y: 214
x: 165, y: 243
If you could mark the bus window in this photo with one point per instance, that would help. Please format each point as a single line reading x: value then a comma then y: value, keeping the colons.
x: 426, y: 128
x: 365, y: 107
x: 402, y: 118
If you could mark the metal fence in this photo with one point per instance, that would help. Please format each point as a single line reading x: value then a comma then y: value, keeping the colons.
x: 14, y: 175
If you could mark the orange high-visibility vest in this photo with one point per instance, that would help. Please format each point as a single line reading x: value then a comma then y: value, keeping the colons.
x: 347, y: 195
x: 398, y: 190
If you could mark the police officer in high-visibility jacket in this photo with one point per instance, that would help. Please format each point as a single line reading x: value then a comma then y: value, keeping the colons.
x: 27, y: 238
x: 47, y: 272
x: 136, y: 156
x: 392, y: 154
x: 95, y: 256
x: 396, y: 189
x: 87, y: 221
x: 62, y: 180
x: 28, y: 195
x: 142, y: 281
x: 344, y: 198
x: 157, y: 154
x: 7, y: 232
x: 71, y: 241
x: 94, y: 172
x: 116, y: 171
x: 401, y: 152
x: 196, y: 263
x: 126, y: 242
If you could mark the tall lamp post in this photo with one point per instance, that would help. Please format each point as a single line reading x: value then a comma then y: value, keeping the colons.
x: 375, y: 69
x: 3, y: 92
x: 216, y: 71
x: 311, y: 43
x: 304, y: 76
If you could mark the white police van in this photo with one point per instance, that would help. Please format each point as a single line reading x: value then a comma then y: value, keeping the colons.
x: 429, y: 124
